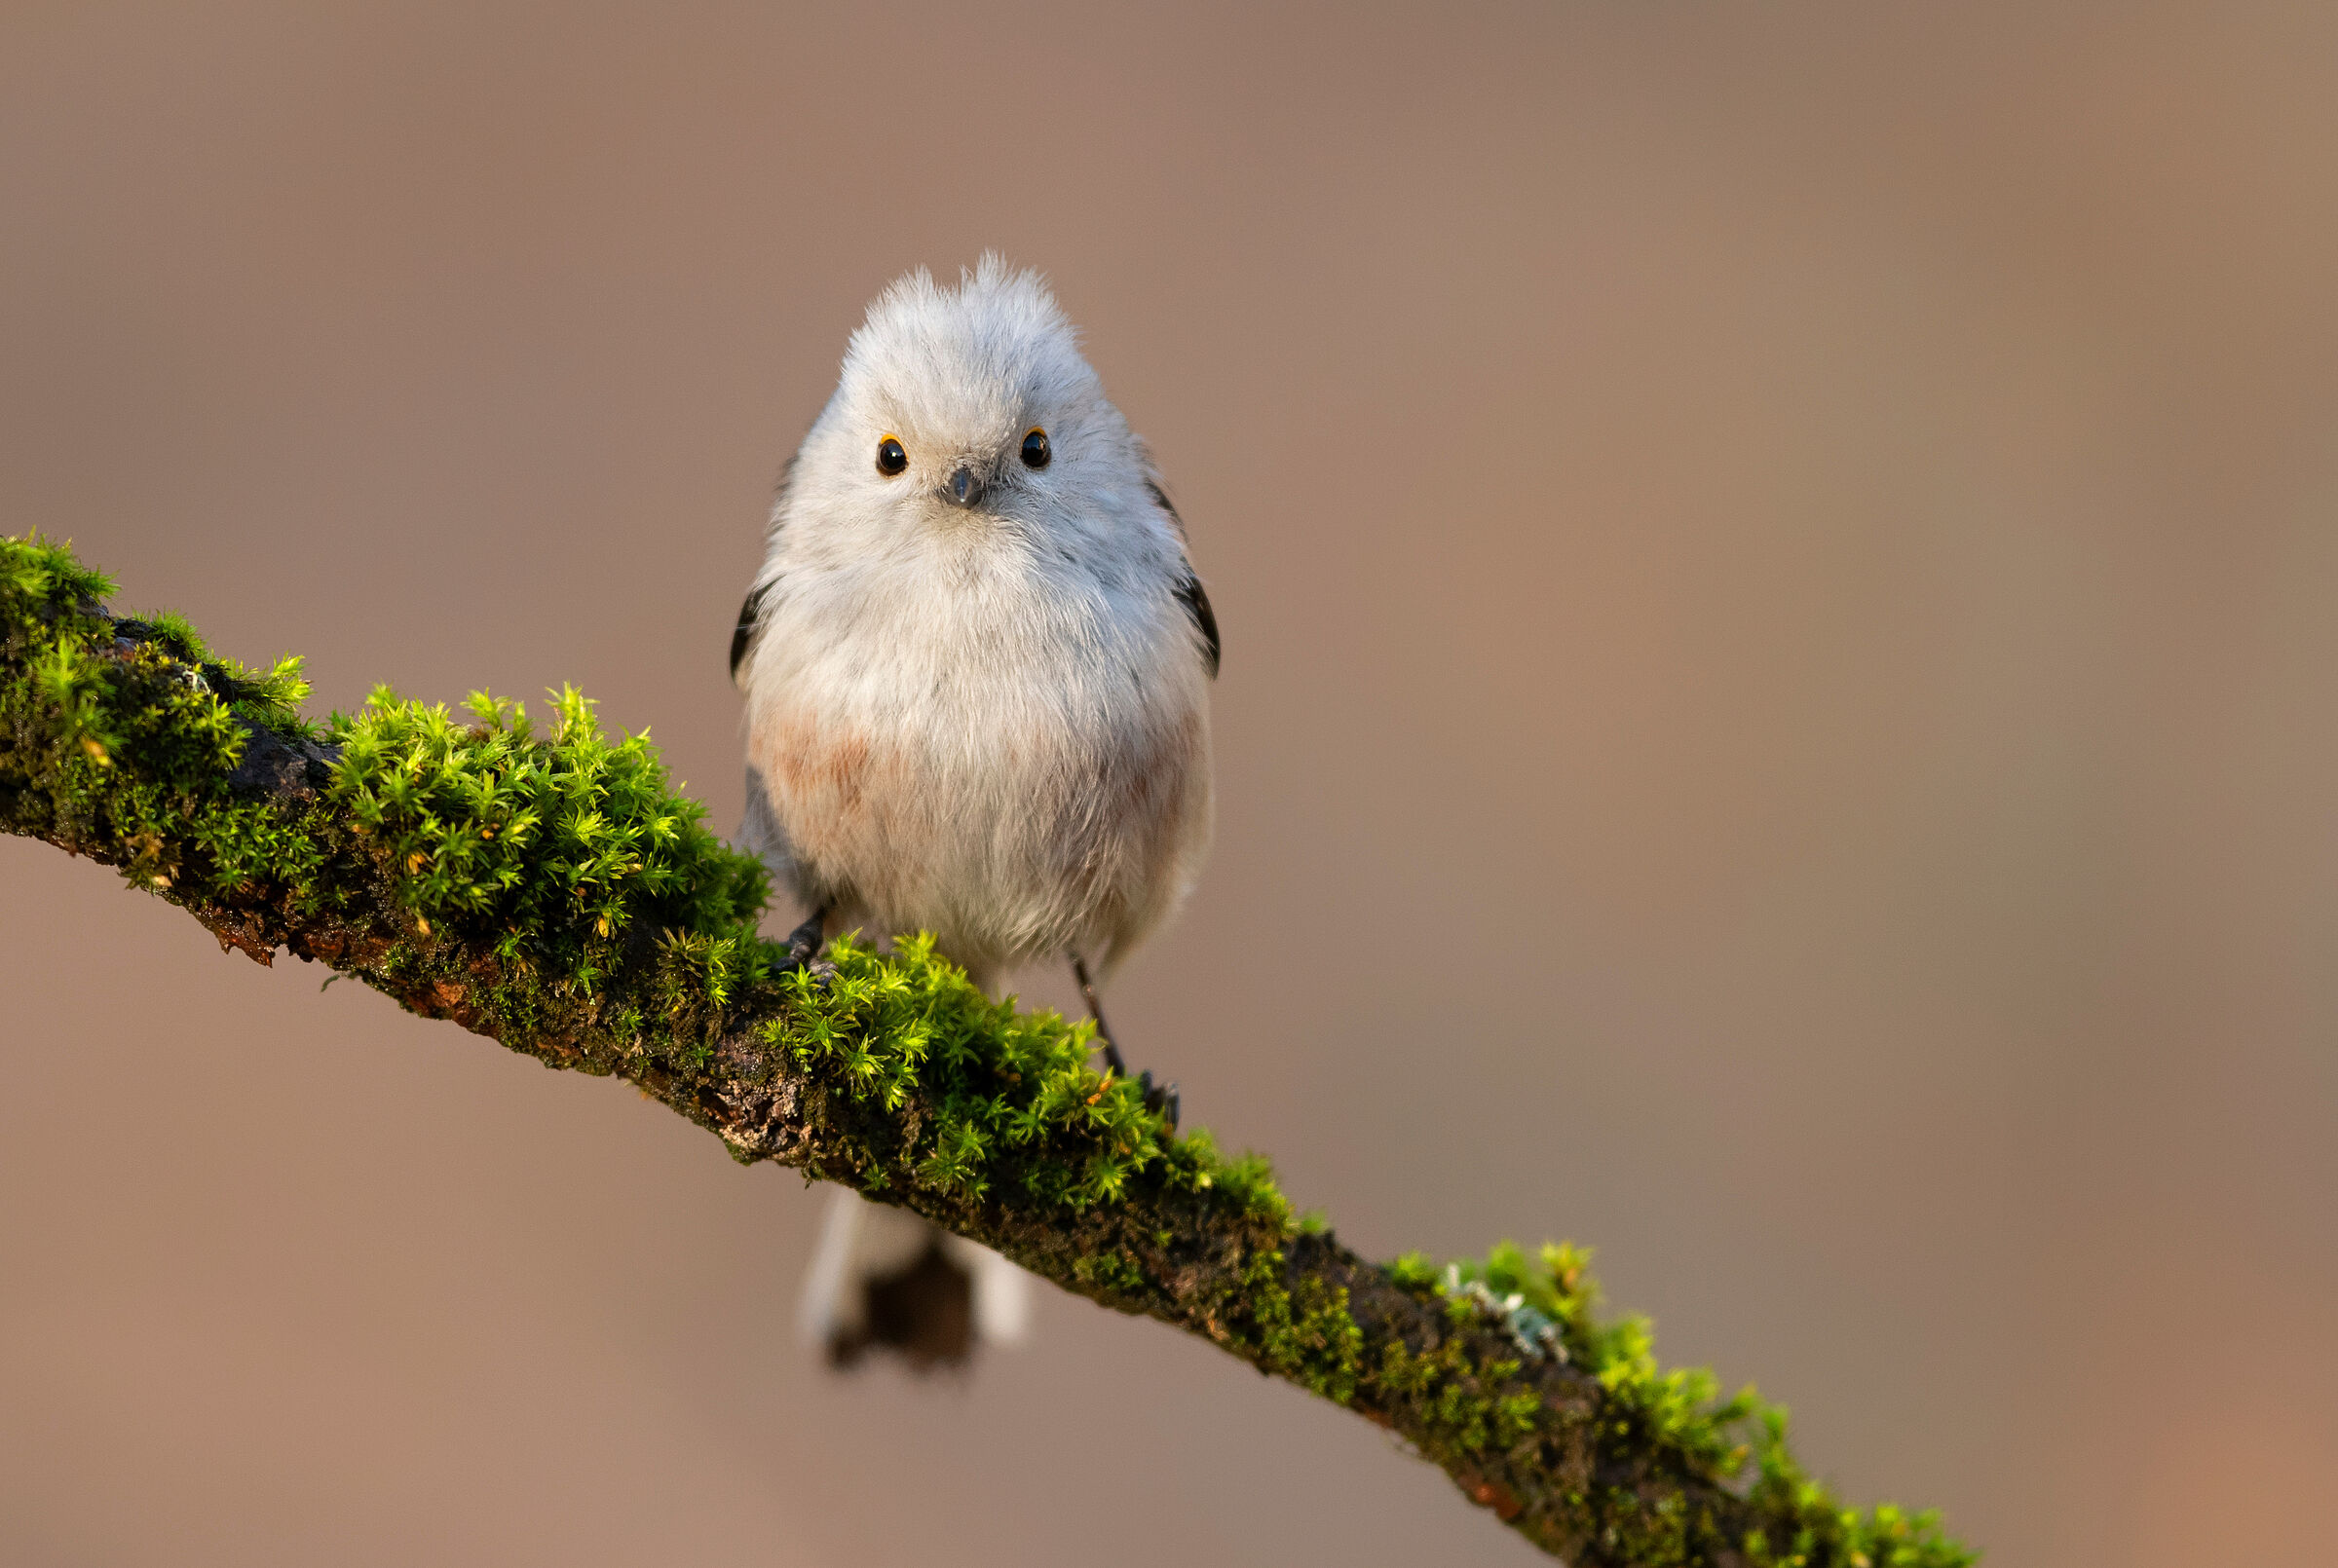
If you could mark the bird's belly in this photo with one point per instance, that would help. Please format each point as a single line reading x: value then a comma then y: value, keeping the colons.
x: 1009, y: 827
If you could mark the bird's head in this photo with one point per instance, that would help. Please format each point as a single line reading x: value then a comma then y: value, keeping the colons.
x: 969, y: 414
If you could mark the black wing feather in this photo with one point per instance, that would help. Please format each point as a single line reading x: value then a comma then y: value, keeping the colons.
x: 1205, y: 619
x: 750, y: 621
x: 1189, y: 591
x: 750, y: 614
x: 1160, y: 498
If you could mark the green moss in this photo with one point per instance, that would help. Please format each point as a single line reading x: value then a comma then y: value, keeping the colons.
x: 567, y: 855
x: 1738, y: 1443
x: 1111, y: 1273
x: 38, y: 573
x: 1458, y: 1397
x: 1303, y: 1331
x: 1414, y: 1271
x: 1013, y: 1102
x: 563, y: 848
x: 115, y: 746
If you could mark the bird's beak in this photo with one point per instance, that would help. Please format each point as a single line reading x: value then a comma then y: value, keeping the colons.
x: 965, y: 488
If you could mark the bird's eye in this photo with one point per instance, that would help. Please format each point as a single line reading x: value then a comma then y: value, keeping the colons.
x: 891, y: 458
x: 1034, y: 450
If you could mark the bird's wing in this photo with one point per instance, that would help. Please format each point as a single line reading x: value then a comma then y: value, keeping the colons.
x: 1190, y: 593
x: 750, y: 614
x: 750, y: 622
x: 1188, y: 590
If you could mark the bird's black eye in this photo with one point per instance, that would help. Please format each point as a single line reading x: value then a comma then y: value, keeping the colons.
x: 891, y: 458
x: 1034, y: 450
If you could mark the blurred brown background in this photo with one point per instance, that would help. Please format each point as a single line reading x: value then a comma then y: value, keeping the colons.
x: 1780, y: 718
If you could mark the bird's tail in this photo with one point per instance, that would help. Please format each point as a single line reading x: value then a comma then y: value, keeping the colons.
x: 885, y: 1278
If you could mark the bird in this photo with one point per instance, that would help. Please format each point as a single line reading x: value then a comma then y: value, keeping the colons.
x: 976, y: 665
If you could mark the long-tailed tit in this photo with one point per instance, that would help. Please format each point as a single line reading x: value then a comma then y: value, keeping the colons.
x: 976, y: 664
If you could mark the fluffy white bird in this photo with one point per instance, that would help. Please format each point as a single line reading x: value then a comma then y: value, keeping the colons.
x: 976, y: 664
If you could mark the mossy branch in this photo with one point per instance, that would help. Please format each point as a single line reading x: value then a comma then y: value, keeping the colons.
x: 551, y: 892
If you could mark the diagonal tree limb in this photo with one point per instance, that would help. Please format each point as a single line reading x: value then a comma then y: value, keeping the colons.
x: 551, y: 893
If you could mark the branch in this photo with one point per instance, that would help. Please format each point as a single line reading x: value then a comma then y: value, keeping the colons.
x: 554, y: 894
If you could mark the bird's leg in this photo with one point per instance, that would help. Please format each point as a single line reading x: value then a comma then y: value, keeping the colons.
x: 1087, y: 990
x: 803, y: 942
x: 1162, y: 1100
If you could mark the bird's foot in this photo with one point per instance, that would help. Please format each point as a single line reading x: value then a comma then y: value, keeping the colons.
x: 804, y: 940
x: 1159, y: 1098
x: 1160, y: 1101
x: 804, y: 945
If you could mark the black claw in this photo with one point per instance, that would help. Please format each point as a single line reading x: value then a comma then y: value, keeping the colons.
x: 1161, y: 1099
x: 803, y: 945
x: 803, y: 942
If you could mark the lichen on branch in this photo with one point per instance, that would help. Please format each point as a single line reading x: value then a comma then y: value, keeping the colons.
x: 550, y: 890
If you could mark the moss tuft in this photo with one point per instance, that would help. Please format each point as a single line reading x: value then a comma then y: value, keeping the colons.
x: 1303, y: 1330
x: 113, y: 746
x: 1014, y: 1104
x: 1738, y: 1443
x: 565, y: 850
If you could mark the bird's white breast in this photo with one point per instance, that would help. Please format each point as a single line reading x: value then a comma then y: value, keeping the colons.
x: 973, y: 739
